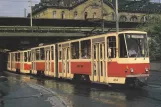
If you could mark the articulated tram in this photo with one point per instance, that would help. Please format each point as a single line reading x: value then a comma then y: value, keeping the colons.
x: 116, y: 58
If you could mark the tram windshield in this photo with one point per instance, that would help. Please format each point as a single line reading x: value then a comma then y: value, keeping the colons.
x: 135, y: 45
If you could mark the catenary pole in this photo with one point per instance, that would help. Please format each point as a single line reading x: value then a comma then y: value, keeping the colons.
x: 117, y: 21
x: 30, y: 12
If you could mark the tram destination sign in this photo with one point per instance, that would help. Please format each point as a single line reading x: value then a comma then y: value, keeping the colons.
x: 135, y: 36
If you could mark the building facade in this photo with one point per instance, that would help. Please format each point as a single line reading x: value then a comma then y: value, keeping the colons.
x: 129, y: 10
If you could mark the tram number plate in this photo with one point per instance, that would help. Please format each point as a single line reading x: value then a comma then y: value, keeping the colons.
x: 115, y: 79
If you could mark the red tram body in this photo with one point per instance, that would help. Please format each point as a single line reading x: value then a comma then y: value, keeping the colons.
x: 43, y: 60
x: 108, y: 58
x: 19, y: 61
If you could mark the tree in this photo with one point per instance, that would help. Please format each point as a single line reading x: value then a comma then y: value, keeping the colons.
x: 153, y: 27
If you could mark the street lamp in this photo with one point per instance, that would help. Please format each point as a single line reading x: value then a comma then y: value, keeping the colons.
x: 116, y: 12
x: 103, y: 25
x: 31, y: 12
x: 24, y: 12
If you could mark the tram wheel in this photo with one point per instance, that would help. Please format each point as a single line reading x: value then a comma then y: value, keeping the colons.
x: 81, y: 78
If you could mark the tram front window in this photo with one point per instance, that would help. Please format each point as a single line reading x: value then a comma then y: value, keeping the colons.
x: 135, y: 45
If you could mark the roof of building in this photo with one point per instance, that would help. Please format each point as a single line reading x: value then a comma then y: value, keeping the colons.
x: 61, y: 4
x: 137, y: 6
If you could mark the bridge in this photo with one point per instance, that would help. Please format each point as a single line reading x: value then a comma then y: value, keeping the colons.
x: 16, y: 33
x: 56, y: 27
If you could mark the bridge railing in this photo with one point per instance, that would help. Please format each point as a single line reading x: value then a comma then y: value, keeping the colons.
x: 42, y: 29
x: 46, y: 29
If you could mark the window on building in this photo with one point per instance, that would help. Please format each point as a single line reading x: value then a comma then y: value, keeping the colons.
x: 94, y: 15
x: 111, y: 47
x: 54, y: 14
x: 144, y: 19
x: 123, y: 18
x: 75, y: 50
x: 113, y: 16
x: 75, y: 15
x: 85, y: 15
x: 86, y: 49
x: 134, y: 19
x: 63, y: 15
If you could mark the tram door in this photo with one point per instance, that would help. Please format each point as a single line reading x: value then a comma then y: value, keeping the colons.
x: 21, y: 61
x: 33, y: 55
x: 13, y: 61
x: 65, y: 62
x: 47, y: 61
x: 99, y: 72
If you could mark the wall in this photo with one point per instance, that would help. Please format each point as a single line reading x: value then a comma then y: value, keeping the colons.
x: 3, y: 62
x: 155, y: 66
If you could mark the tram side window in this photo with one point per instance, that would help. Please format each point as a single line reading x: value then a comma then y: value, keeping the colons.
x: 86, y: 49
x: 111, y: 47
x: 37, y: 54
x: 13, y: 57
x: 52, y: 53
x: 18, y: 56
x: 25, y: 56
x: 42, y: 56
x: 8, y: 57
x: 75, y: 50
x: 29, y: 56
x: 33, y: 56
x: 122, y: 47
x: 60, y: 52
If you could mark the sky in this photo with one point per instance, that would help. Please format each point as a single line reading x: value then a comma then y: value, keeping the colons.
x: 15, y: 8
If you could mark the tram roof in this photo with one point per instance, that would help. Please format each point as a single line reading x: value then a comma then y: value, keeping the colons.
x: 85, y: 38
x: 20, y: 51
x: 106, y: 34
x: 43, y: 46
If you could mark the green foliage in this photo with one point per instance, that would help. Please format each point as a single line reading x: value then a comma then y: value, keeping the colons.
x: 153, y: 27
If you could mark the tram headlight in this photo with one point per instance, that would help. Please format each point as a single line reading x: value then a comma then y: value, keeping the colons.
x: 146, y: 69
x: 131, y: 70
